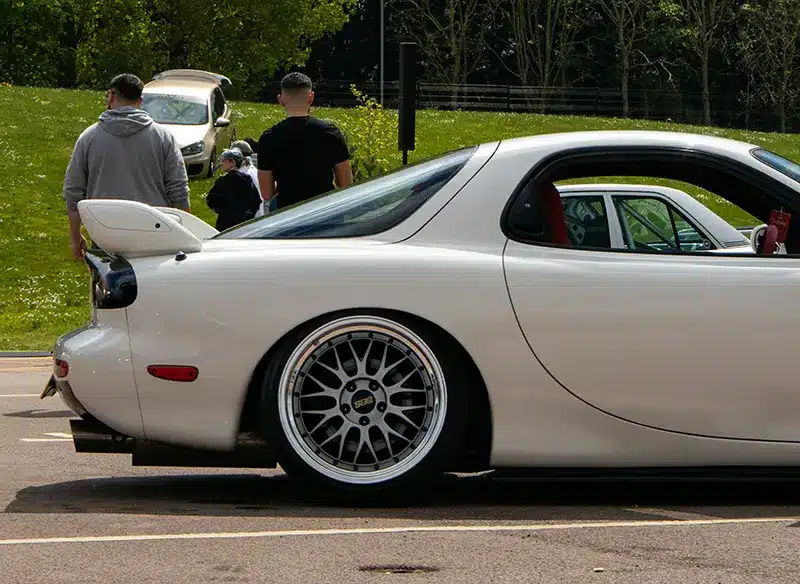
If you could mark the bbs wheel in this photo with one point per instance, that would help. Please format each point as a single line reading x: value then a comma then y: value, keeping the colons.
x: 363, y: 405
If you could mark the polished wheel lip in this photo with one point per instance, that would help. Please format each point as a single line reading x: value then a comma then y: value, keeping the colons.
x: 304, y: 351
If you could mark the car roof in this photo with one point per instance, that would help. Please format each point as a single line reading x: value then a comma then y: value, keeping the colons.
x: 180, y: 87
x: 719, y: 228
x: 627, y: 138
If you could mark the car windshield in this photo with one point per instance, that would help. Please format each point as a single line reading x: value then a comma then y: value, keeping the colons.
x: 363, y: 209
x: 779, y: 163
x: 184, y: 110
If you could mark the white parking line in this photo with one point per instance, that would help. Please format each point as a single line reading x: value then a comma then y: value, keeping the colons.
x: 19, y: 395
x: 57, y: 437
x: 388, y: 530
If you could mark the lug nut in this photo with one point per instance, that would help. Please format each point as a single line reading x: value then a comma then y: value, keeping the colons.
x: 364, y: 421
x: 345, y: 409
x: 381, y: 407
x: 351, y: 386
x: 373, y: 385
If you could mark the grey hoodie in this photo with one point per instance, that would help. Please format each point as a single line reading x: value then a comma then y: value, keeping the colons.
x: 127, y: 156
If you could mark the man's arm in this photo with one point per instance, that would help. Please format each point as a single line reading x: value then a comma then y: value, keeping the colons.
x: 342, y: 169
x: 343, y: 173
x: 176, y: 181
x: 76, y: 240
x: 266, y: 182
x: 75, y: 180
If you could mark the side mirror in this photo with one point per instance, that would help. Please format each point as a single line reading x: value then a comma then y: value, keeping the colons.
x: 222, y: 123
x: 756, y: 236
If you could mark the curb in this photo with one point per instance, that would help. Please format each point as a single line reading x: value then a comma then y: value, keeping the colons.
x: 25, y: 354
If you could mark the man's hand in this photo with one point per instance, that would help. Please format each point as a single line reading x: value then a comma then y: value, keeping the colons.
x: 78, y: 247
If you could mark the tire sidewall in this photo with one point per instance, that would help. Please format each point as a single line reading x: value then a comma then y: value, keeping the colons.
x: 405, y: 486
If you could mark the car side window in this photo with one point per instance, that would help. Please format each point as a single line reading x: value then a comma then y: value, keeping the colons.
x: 219, y: 103
x: 651, y: 224
x: 587, y: 221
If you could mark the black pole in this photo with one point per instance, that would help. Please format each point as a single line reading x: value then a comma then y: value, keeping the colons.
x: 408, y: 99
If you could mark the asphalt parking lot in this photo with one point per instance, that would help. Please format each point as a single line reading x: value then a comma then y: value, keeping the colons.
x: 71, y: 517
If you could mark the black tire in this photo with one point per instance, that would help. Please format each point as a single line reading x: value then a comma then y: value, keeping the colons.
x: 210, y: 172
x: 423, y: 471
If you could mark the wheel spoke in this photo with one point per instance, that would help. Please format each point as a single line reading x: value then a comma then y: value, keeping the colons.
x: 318, y: 410
x: 340, y: 432
x: 365, y: 440
x: 387, y: 429
x: 382, y: 427
x: 396, y: 387
x: 324, y: 387
x: 321, y: 423
x: 340, y: 373
x: 400, y: 413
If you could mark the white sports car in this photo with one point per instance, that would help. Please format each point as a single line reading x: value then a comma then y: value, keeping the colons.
x: 445, y: 318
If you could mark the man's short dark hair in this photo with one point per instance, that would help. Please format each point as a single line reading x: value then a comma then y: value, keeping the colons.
x: 296, y: 80
x: 129, y: 87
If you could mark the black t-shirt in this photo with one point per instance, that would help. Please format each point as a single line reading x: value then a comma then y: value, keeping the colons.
x: 301, y: 153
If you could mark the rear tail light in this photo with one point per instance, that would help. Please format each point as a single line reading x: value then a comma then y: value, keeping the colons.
x: 60, y: 368
x: 173, y: 372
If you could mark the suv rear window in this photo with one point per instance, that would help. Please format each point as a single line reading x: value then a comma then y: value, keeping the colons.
x: 359, y: 210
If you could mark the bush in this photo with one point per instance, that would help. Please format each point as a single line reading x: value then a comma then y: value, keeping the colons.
x: 371, y: 134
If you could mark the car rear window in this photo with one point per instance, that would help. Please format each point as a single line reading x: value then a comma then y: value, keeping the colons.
x: 363, y: 209
x: 778, y: 162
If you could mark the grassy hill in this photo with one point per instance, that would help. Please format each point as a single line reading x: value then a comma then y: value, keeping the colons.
x: 43, y: 292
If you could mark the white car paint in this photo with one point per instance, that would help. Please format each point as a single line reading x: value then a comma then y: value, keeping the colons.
x: 590, y: 358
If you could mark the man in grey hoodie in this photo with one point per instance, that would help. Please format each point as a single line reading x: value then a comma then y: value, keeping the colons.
x: 125, y: 155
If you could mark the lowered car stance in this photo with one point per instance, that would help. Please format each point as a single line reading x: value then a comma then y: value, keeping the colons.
x: 459, y: 314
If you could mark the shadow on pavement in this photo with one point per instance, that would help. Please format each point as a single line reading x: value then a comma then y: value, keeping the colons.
x: 472, y: 498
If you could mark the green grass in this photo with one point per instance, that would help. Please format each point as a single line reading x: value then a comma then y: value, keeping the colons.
x: 43, y: 292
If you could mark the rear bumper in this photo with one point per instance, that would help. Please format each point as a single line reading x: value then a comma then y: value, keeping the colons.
x: 100, y: 389
x: 61, y: 386
x: 99, y: 383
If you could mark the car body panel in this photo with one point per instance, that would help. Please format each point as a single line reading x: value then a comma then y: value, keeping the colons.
x: 590, y: 358
x: 653, y: 343
x: 109, y: 392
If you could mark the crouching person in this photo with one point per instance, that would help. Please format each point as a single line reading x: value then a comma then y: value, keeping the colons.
x: 234, y: 197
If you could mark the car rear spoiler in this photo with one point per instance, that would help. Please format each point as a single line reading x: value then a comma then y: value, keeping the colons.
x: 133, y: 229
x: 217, y: 78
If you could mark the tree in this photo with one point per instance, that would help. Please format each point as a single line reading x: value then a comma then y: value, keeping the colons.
x: 248, y: 39
x: 450, y: 34
x: 541, y: 38
x: 113, y: 37
x: 629, y: 20
x: 769, y: 46
x: 704, y: 21
x: 37, y: 42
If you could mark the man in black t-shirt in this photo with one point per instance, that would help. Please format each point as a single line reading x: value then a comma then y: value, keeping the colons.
x: 301, y: 156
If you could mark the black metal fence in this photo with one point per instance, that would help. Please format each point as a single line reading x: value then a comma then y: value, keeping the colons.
x: 727, y: 110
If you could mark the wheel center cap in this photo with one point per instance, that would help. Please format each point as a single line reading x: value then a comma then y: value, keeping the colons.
x: 363, y: 402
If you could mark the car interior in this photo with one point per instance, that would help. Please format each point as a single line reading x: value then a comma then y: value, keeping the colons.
x: 537, y: 213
